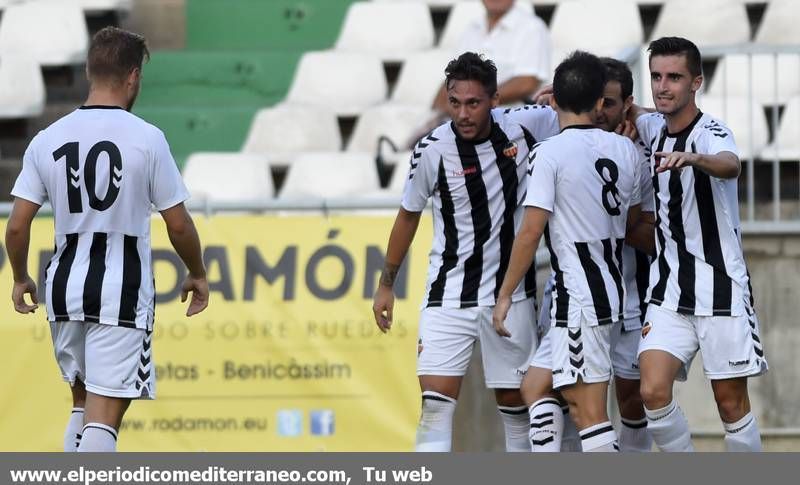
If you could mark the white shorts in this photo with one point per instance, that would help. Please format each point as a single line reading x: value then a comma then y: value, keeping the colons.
x: 583, y: 352
x: 625, y: 349
x: 111, y: 361
x: 731, y: 346
x: 448, y: 335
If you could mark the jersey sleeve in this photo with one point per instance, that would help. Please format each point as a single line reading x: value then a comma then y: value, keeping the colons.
x: 421, y: 181
x: 645, y: 179
x: 718, y: 139
x: 30, y: 185
x: 648, y: 126
x: 636, y: 163
x: 539, y: 122
x: 542, y: 179
x: 166, y: 185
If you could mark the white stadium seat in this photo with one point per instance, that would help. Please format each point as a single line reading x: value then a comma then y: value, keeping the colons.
x: 344, y: 82
x: 748, y: 123
x: 421, y: 77
x: 51, y: 32
x: 22, y: 91
x: 397, y: 122
x: 228, y: 177
x: 400, y: 174
x: 286, y: 130
x: 575, y: 25
x: 779, y: 25
x: 331, y: 175
x: 461, y: 15
x: 737, y: 75
x: 390, y: 30
x: 706, y: 23
x: 786, y: 145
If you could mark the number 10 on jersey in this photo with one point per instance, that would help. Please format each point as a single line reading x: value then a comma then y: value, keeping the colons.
x: 72, y: 154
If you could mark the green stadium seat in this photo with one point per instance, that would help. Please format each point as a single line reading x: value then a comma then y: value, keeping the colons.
x: 217, y: 78
x: 259, y: 24
x: 206, y: 129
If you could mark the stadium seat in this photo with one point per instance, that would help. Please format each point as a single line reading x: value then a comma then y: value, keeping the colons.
x: 191, y: 130
x: 736, y: 75
x: 779, y: 25
x: 228, y: 177
x: 786, y: 145
x: 344, y: 82
x: 575, y: 26
x: 295, y: 25
x: 706, y: 23
x: 52, y: 33
x: 217, y: 78
x: 461, y: 15
x: 400, y: 174
x: 389, y: 30
x: 284, y: 131
x: 22, y: 91
x: 396, y: 122
x: 751, y: 136
x: 104, y: 5
x: 331, y: 175
x: 421, y: 77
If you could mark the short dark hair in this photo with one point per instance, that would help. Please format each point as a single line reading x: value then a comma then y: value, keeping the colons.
x: 677, y: 46
x: 114, y: 53
x: 470, y: 66
x: 619, y: 71
x: 579, y: 81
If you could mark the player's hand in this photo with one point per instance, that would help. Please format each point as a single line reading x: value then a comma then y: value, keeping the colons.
x: 199, y: 289
x: 18, y: 296
x: 628, y: 130
x: 382, y: 306
x: 674, y: 160
x: 499, y: 316
x: 544, y: 95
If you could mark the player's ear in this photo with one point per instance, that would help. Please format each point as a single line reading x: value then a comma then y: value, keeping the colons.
x: 495, y: 99
x: 697, y: 82
x: 627, y: 104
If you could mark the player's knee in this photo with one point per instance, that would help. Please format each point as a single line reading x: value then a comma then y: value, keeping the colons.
x: 534, y: 388
x: 655, y: 395
x: 631, y: 406
x: 732, y: 406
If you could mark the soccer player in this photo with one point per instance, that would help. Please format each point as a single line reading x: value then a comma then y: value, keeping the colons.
x: 474, y: 170
x: 699, y: 294
x: 583, y: 195
x: 102, y: 169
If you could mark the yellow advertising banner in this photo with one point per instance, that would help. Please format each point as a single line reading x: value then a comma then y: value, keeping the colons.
x: 286, y: 358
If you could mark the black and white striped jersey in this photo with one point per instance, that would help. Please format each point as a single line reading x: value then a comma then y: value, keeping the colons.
x: 102, y: 169
x: 476, y: 187
x: 699, y: 268
x: 588, y: 179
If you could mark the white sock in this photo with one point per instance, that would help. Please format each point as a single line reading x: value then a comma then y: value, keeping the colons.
x: 742, y: 435
x: 515, y: 422
x: 633, y: 437
x: 546, y: 426
x: 98, y: 437
x: 599, y: 438
x: 571, y: 441
x: 72, y: 435
x: 669, y: 428
x: 435, y: 429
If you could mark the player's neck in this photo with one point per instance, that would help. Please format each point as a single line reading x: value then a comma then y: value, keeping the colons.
x: 567, y: 119
x: 678, y: 122
x: 106, y: 97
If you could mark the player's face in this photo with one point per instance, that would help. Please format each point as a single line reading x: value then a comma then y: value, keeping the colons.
x: 470, y: 108
x: 672, y: 84
x: 498, y: 7
x: 614, y: 107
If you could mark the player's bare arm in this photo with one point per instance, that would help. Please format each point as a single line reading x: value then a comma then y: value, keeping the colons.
x: 523, y: 253
x: 18, y: 236
x: 184, y: 238
x: 516, y: 88
x: 724, y: 165
x: 640, y: 230
x: 403, y: 231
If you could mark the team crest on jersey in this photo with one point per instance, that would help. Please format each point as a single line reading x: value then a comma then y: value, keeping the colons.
x: 646, y: 329
x: 510, y: 150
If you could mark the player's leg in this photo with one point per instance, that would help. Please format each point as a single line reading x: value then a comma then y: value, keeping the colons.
x: 68, y: 346
x: 633, y: 435
x: 587, y: 405
x: 668, y: 345
x: 446, y: 340
x: 504, y: 362
x: 732, y: 352
x: 119, y: 368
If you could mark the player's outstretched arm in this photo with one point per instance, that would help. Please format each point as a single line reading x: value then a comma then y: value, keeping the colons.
x: 18, y: 237
x: 723, y: 165
x: 523, y: 253
x: 640, y: 230
x: 403, y: 231
x: 184, y: 238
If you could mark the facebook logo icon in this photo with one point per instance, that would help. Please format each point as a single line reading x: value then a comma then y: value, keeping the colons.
x: 322, y: 422
x: 290, y: 422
